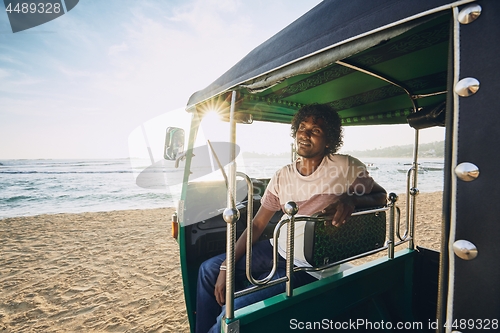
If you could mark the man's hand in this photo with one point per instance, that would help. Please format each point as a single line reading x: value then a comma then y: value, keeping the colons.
x: 338, y: 211
x: 220, y: 288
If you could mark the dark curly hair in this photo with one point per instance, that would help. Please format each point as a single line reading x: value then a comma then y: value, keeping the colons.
x: 332, y: 124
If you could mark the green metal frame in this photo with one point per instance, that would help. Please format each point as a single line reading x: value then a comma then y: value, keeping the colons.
x: 380, y: 290
x: 418, y: 61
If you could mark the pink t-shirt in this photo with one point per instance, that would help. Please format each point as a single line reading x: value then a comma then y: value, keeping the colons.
x: 337, y: 174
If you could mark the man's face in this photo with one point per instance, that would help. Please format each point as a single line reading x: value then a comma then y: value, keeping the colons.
x: 310, y: 138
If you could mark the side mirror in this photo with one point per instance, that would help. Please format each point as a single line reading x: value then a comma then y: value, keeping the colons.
x: 174, y: 143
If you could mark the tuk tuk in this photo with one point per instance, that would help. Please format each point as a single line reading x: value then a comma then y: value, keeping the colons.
x: 422, y: 63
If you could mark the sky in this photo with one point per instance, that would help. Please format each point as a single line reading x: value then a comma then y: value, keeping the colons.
x: 79, y: 86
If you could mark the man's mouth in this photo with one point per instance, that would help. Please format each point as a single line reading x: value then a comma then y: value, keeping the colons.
x: 303, y: 144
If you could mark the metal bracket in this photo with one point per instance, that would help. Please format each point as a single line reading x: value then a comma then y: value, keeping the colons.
x: 232, y: 327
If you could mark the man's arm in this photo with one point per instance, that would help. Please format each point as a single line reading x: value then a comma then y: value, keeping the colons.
x: 345, y: 205
x: 259, y: 223
x: 376, y: 197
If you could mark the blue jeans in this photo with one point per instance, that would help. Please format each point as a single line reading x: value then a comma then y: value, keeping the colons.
x: 209, y: 313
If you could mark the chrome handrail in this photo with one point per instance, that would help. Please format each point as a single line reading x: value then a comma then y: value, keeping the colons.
x: 392, y: 215
x: 291, y: 209
x: 411, y: 193
x: 276, y: 233
x: 358, y: 256
x: 267, y: 282
x: 398, y: 226
x: 231, y: 214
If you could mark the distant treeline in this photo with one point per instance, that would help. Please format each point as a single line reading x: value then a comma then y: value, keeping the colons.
x: 433, y: 149
x: 257, y: 155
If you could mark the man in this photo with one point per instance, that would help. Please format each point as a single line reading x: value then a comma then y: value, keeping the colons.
x: 320, y: 182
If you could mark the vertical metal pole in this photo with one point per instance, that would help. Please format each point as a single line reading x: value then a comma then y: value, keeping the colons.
x: 413, y: 193
x: 447, y: 272
x: 231, y: 193
x: 232, y: 215
x: 289, y: 255
x: 291, y: 209
x: 392, y: 221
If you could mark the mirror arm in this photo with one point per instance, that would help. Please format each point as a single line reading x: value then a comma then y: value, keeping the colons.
x: 181, y: 157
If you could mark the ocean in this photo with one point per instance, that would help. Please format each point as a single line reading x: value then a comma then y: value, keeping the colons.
x: 33, y: 187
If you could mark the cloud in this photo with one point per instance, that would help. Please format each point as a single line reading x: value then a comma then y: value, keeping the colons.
x: 10, y: 60
x: 167, y: 56
x: 4, y: 73
x: 212, y: 18
x: 117, y: 49
x: 17, y: 82
x: 111, y: 65
x: 75, y: 72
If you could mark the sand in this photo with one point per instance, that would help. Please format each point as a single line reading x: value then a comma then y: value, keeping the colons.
x: 110, y: 272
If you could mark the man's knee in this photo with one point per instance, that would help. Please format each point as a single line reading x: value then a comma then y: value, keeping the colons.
x: 210, y: 267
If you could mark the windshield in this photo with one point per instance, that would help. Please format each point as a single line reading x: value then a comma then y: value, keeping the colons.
x: 263, y: 147
x: 386, y: 150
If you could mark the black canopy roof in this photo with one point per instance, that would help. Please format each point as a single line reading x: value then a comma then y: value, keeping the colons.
x: 405, y: 41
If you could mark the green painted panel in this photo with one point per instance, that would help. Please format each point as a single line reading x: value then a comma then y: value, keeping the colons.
x: 376, y: 291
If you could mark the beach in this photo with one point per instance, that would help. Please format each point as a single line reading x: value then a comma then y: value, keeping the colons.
x: 111, y: 271
x: 107, y: 272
